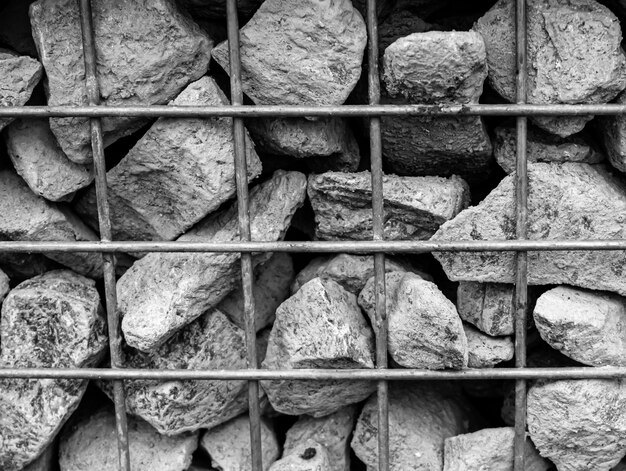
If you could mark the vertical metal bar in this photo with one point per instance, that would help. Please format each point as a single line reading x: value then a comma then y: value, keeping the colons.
x: 247, y: 275
x: 521, y: 266
x: 97, y: 144
x: 378, y: 234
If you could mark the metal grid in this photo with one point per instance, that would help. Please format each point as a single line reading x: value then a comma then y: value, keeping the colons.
x: 377, y: 246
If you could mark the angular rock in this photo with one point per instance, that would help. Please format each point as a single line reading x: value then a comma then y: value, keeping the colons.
x: 579, y: 424
x: 228, y: 444
x: 163, y: 292
x: 177, y: 173
x: 424, y: 329
x: 303, y: 52
x: 92, y: 444
x: 566, y: 201
x: 39, y: 160
x: 25, y: 216
x: 19, y: 75
x: 51, y: 321
x: 4, y: 285
x: 414, y: 206
x: 613, y: 132
x: 485, y: 351
x: 321, y: 326
x: 488, y: 306
x: 158, y: 57
x: 47, y: 461
x: 308, y: 456
x: 333, y: 432
x: 574, y: 53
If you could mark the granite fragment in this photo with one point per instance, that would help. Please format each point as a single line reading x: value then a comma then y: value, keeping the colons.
x: 19, y: 76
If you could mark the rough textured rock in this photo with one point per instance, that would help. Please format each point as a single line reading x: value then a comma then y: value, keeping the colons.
x: 308, y: 456
x: 39, y: 160
x: 25, y: 216
x: 19, y: 75
x: 333, y: 432
x: 303, y: 52
x: 488, y: 306
x: 613, y: 132
x: 51, y: 321
x: 163, y: 292
x: 544, y: 147
x: 579, y: 424
x: 321, y: 326
x: 92, y: 444
x: 159, y: 56
x: 4, y: 285
x: 574, y: 55
x: 414, y: 207
x: 228, y: 445
x: 566, y: 201
x: 421, y: 417
x: 488, y: 449
x: 587, y: 326
x: 485, y: 351
x: 424, y: 329
x: 177, y: 173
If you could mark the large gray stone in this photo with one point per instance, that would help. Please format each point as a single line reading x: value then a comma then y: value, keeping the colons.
x: 485, y: 351
x: 162, y: 292
x: 574, y: 55
x: 4, y: 285
x: 177, y: 173
x: 300, y: 52
x: 566, y: 201
x: 51, y: 321
x: 308, y: 456
x: 414, y: 207
x: 488, y: 306
x: 19, y: 75
x: 613, y: 132
x: 157, y: 58
x: 26, y: 216
x: 321, y: 326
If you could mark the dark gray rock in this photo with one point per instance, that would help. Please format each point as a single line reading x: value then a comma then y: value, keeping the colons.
x: 485, y: 351
x: 47, y: 461
x: 19, y: 75
x: 21, y: 266
x: 308, y: 456
x: 613, y: 132
x: 398, y: 24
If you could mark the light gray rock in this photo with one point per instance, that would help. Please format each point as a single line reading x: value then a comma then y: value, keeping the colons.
x: 613, y: 132
x: 308, y: 456
x: 158, y: 57
x: 177, y: 173
x: 92, y: 444
x: 162, y: 292
x: 424, y: 329
x: 300, y: 52
x: 485, y: 351
x: 47, y: 461
x: 321, y: 326
x: 579, y: 424
x: 39, y: 160
x: 574, y: 55
x: 488, y: 306
x: 25, y: 216
x: 566, y: 201
x: 51, y: 321
x: 228, y: 444
x: 414, y: 207
x: 4, y: 285
x: 19, y: 75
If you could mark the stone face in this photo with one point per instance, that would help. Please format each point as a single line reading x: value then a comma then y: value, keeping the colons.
x: 574, y: 55
x: 613, y: 132
x: 578, y: 424
x: 333, y: 432
x: 25, y: 216
x: 424, y: 329
x: 39, y: 160
x: 488, y: 306
x: 321, y: 326
x: 414, y: 206
x: 159, y: 56
x: 566, y: 201
x: 303, y: 52
x: 485, y: 351
x: 19, y: 75
x: 162, y: 292
x: 308, y: 456
x: 228, y: 444
x: 4, y: 285
x: 177, y: 173
x: 92, y: 444
x: 51, y: 321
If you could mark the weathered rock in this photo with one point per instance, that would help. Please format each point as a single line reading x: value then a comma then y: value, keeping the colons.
x: 228, y: 445
x: 51, y: 321
x: 488, y: 306
x: 308, y: 456
x: 47, y: 461
x: 19, y: 75
x: 414, y: 206
x: 489, y: 449
x: 4, y: 285
x: 158, y: 57
x: 25, y: 216
x: 485, y: 351
x: 333, y: 432
x: 544, y: 147
x: 613, y: 132
x: 321, y: 326
x: 92, y: 444
x: 303, y: 52
x: 39, y: 160
x: 15, y: 29
x: 574, y: 55
x: 566, y: 201
x: 162, y: 292
x: 169, y: 181
x: 579, y: 424
x: 424, y: 329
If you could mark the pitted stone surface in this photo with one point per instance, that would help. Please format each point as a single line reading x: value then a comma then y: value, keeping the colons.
x: 488, y: 306
x: 19, y: 75
x: 485, y: 351
x: 308, y: 456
